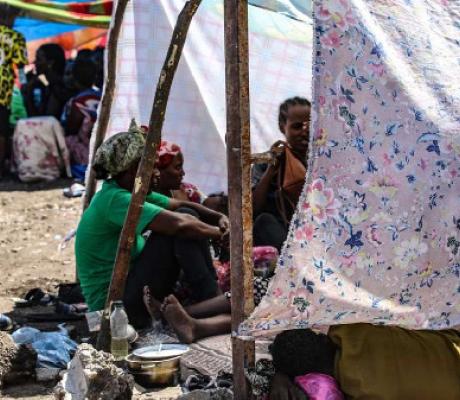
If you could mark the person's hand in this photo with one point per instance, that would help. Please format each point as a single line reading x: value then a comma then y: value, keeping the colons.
x: 224, y: 242
x: 277, y: 150
x: 224, y: 224
x: 282, y: 388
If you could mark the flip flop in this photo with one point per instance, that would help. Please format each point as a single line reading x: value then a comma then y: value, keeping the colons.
x: 6, y: 324
x: 37, y: 296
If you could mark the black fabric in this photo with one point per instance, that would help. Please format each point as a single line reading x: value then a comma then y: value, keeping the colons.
x: 4, y: 121
x: 159, y: 266
x: 269, y: 231
x: 49, y: 100
x: 70, y: 293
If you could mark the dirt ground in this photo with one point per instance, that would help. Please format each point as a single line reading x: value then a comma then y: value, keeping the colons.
x: 34, y: 219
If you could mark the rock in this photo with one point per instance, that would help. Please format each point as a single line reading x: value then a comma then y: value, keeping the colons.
x: 47, y: 374
x: 7, y: 352
x: 93, y: 375
x: 17, y: 363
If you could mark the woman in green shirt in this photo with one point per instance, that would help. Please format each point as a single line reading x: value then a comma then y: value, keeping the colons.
x: 180, y: 231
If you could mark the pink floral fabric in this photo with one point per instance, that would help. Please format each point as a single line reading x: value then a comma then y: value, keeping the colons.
x: 192, y: 193
x: 319, y: 387
x: 39, y: 149
x: 376, y: 235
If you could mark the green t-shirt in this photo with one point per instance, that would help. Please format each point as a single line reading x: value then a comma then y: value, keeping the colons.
x: 98, y: 235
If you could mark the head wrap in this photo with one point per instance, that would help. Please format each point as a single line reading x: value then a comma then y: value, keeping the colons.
x: 166, y: 153
x: 120, y: 152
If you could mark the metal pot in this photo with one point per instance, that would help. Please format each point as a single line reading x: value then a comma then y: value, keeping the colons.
x: 155, y: 378
x: 150, y: 373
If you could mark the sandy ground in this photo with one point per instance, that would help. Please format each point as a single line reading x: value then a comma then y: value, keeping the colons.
x: 34, y: 219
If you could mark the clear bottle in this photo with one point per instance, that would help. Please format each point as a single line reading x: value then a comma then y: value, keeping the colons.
x: 37, y: 97
x: 119, y: 331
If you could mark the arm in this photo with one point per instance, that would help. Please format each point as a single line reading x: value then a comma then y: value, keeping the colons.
x: 261, y: 183
x: 185, y: 225
x: 206, y: 214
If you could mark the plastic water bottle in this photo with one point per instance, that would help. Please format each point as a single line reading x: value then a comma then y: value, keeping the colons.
x: 119, y: 331
x: 37, y: 97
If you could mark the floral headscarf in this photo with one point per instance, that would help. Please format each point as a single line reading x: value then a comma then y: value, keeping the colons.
x: 166, y: 153
x: 120, y: 151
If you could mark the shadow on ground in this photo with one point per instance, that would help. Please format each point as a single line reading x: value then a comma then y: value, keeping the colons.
x: 9, y: 184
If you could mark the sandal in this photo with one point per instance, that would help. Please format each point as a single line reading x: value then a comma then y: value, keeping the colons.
x: 6, y: 324
x: 36, y: 296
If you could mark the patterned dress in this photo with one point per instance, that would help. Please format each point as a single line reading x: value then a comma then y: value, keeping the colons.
x: 12, y: 52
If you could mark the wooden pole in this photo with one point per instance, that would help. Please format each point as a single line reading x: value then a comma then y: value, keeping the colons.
x: 107, y: 97
x: 146, y: 166
x: 239, y: 191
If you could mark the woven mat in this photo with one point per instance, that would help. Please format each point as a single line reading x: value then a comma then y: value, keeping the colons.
x: 208, y: 356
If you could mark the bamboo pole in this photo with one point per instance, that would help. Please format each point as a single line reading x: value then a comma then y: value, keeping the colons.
x: 239, y: 191
x: 107, y: 97
x: 146, y: 166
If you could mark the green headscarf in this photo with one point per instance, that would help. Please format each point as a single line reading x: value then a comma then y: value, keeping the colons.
x: 120, y: 152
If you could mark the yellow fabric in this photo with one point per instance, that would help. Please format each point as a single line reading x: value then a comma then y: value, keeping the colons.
x: 392, y: 363
x: 12, y: 52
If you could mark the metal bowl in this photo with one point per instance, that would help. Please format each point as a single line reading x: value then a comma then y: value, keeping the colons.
x: 149, y: 373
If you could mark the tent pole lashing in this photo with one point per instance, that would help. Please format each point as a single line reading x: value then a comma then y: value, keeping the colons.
x: 107, y: 97
x: 239, y: 190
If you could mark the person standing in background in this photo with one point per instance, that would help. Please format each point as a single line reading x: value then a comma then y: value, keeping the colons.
x: 12, y: 53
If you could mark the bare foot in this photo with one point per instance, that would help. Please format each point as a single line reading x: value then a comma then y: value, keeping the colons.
x: 152, y: 305
x: 179, y: 320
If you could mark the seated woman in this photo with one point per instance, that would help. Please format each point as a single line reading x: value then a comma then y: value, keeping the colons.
x: 277, y: 185
x: 45, y: 93
x: 80, y: 112
x: 171, y: 165
x: 368, y: 362
x: 180, y: 231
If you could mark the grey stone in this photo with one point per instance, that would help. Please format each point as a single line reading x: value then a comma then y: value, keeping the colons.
x: 93, y: 375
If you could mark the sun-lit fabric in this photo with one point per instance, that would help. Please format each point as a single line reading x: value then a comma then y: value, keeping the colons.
x: 376, y: 236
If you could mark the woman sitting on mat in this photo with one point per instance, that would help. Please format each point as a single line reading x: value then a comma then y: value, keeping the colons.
x: 277, y: 185
x: 171, y: 166
x: 180, y: 231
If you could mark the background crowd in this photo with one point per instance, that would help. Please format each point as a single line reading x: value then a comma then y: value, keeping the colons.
x: 68, y: 89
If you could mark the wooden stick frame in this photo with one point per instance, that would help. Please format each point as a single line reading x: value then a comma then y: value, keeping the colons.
x: 239, y: 189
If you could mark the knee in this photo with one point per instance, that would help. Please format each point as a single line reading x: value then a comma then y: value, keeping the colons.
x: 264, y: 219
x: 187, y: 210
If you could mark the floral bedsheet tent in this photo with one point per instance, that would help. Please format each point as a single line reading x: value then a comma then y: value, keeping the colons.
x: 376, y: 236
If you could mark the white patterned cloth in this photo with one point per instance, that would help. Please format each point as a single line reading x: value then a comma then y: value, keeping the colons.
x: 40, y: 151
x: 280, y: 59
x: 376, y: 236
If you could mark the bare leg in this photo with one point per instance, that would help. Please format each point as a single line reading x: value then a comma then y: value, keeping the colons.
x: 189, y: 329
x: 210, y: 308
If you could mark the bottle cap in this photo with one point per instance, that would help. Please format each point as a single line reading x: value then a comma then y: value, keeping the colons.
x: 117, y: 303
